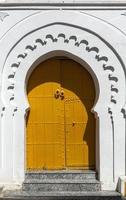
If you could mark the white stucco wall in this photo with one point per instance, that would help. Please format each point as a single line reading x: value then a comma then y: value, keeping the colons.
x: 20, y: 53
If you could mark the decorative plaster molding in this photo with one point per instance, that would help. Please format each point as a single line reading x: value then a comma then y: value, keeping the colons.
x: 85, y: 43
x: 124, y: 14
x: 3, y: 15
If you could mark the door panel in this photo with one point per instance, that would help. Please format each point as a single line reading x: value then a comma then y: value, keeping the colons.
x: 79, y: 121
x: 60, y: 131
x: 45, y: 128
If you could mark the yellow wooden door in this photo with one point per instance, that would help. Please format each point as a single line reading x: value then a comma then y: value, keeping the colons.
x: 60, y: 126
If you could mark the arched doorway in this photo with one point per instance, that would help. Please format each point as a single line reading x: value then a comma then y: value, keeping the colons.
x: 60, y: 125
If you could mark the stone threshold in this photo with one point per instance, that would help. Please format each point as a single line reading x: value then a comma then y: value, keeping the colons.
x: 100, y: 195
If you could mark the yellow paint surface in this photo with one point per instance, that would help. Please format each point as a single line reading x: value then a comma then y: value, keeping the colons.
x: 60, y: 125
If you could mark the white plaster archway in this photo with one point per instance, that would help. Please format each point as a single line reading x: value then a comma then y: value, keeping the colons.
x: 59, y: 35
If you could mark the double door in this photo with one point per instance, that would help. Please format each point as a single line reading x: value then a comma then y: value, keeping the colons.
x: 60, y: 125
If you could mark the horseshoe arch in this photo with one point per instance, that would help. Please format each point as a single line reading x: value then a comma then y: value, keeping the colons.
x: 59, y: 36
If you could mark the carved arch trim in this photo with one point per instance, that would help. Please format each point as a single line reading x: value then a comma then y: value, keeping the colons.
x: 95, y: 54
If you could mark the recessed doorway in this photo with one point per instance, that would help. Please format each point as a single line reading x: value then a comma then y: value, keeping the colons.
x: 60, y: 125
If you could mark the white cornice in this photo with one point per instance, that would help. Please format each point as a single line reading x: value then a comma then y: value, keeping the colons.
x: 62, y: 4
x: 62, y: 1
x: 62, y: 7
